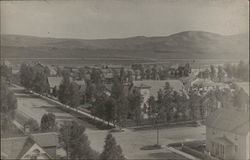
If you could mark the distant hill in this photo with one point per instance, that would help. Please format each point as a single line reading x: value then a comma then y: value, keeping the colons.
x: 188, y: 44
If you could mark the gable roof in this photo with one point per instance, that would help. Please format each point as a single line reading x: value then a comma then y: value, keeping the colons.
x: 244, y: 86
x: 55, y: 81
x: 16, y: 147
x: 156, y: 85
x: 45, y: 139
x: 230, y: 120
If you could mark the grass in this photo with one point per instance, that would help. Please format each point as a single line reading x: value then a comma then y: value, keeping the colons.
x: 12, y: 131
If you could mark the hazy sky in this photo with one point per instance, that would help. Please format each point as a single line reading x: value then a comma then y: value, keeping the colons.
x: 93, y: 19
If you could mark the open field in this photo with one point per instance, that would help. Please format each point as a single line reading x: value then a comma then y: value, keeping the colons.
x: 35, y: 107
x: 130, y: 140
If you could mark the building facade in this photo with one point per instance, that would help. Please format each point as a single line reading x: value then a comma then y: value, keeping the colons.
x: 227, y: 134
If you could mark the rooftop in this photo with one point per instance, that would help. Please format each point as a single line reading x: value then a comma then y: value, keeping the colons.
x: 156, y: 85
x: 55, y: 81
x: 16, y: 147
x: 230, y: 120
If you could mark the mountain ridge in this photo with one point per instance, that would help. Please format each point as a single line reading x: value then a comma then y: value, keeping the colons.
x: 193, y: 44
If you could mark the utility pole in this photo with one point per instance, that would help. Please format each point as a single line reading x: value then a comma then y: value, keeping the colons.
x: 157, y: 134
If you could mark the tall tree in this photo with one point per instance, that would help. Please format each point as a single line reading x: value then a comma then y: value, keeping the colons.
x: 7, y: 107
x: 75, y: 141
x: 135, y: 100
x: 48, y: 122
x: 212, y: 72
x: 64, y: 90
x: 33, y: 125
x: 221, y: 73
x: 74, y: 92
x: 109, y: 109
x: 111, y: 150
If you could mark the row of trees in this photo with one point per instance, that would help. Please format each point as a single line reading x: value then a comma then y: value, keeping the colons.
x: 239, y: 71
x: 161, y: 73
x: 77, y: 146
x: 35, y: 77
x: 7, y: 107
x: 213, y: 74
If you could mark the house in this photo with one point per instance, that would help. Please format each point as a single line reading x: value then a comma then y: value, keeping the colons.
x: 149, y: 88
x: 227, y: 134
x: 54, y: 82
x: 82, y: 86
x: 33, y: 146
x: 244, y: 86
x: 207, y: 84
x: 52, y: 70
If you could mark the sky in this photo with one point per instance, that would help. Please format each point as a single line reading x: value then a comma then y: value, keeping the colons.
x: 98, y: 19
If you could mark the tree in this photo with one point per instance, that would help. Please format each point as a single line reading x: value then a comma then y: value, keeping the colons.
x: 229, y: 70
x: 221, y: 73
x: 64, y: 90
x: 121, y: 109
x: 74, y: 92
x: 148, y: 73
x: 95, y: 76
x: 48, y: 122
x: 194, y: 105
x: 34, y: 77
x: 6, y: 72
x: 109, y: 109
x: 154, y: 112
x: 74, y: 140
x: 33, y: 125
x: 212, y: 72
x: 111, y: 150
x: 135, y: 100
x: 7, y: 107
x: 40, y: 83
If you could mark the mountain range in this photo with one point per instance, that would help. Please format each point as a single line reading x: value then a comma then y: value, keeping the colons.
x: 188, y: 44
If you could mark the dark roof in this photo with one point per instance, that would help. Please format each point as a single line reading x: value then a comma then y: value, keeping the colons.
x: 230, y: 120
x: 16, y: 147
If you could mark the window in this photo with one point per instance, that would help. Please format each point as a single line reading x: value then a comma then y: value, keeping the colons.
x: 236, y: 148
x: 236, y: 137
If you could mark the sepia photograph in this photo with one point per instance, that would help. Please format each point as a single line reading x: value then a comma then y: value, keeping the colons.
x: 124, y: 79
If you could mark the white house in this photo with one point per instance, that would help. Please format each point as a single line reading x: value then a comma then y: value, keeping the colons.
x: 227, y: 134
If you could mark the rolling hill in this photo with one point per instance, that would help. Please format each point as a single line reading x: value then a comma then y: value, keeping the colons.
x: 188, y: 44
